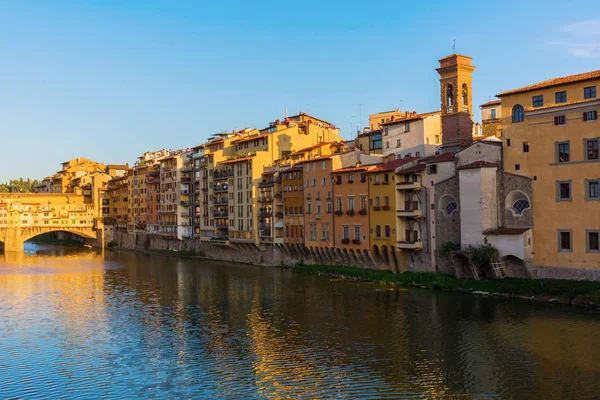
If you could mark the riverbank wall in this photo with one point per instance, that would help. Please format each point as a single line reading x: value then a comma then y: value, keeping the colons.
x: 266, y: 254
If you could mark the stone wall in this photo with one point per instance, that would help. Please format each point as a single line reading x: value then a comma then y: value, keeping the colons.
x: 507, y: 183
x: 447, y: 227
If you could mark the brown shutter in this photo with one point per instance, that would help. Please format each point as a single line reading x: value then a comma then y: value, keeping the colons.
x: 555, y: 120
x: 585, y: 116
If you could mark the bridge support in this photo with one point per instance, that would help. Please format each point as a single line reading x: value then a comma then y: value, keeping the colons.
x: 13, y: 241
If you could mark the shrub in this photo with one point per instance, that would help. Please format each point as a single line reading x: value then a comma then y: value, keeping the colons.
x: 112, y: 243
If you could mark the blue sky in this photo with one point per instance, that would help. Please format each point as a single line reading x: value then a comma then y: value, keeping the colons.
x: 108, y: 80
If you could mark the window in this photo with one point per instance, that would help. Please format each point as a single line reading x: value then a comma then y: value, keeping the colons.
x: 518, y: 113
x: 507, y: 142
x: 338, y: 203
x: 308, y: 208
x: 561, y: 97
x: 451, y: 207
x: 520, y: 206
x: 378, y: 231
x: 493, y: 113
x: 385, y: 132
x: 357, y: 233
x: 377, y: 178
x: 323, y: 181
x: 538, y: 101
x: 314, y: 181
x: 346, y: 232
x: 432, y: 169
x: 564, y: 241
x: 593, y: 242
x: 377, y: 204
x: 437, y: 139
x: 563, y: 191
x: 525, y: 147
x: 517, y: 167
x: 386, y: 201
x: 418, y: 154
x: 589, y: 92
x: 592, y: 189
x: 563, y: 152
x: 387, y: 144
x: 560, y: 120
x: 313, y: 232
x: 590, y: 115
x: 350, y: 203
x: 387, y: 231
x: 591, y: 149
x: 407, y: 127
x: 398, y: 142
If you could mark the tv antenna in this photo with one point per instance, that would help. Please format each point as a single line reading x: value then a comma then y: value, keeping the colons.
x: 453, y: 46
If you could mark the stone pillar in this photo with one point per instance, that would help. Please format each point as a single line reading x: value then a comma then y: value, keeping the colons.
x: 14, y: 242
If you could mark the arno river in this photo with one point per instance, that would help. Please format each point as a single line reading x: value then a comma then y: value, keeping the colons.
x: 77, y: 324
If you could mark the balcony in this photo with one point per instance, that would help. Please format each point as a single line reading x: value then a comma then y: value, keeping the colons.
x: 410, y: 245
x: 265, y: 214
x: 222, y: 201
x: 220, y: 214
x: 278, y: 195
x: 318, y: 215
x: 339, y: 212
x: 265, y: 199
x: 363, y: 211
x: 219, y: 176
x: 220, y: 188
x: 279, y: 214
x: 409, y: 186
x: 266, y: 184
x: 345, y: 241
x: 350, y: 212
x: 409, y: 213
x: 265, y: 227
x: 185, y: 179
x: 222, y: 227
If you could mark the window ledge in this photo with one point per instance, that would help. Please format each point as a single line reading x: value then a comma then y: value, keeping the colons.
x: 574, y: 162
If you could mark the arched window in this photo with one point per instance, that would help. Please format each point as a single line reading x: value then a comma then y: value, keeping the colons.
x: 517, y: 202
x: 447, y: 204
x: 465, y: 94
x: 451, y: 207
x: 518, y: 114
x: 520, y: 206
x: 449, y: 95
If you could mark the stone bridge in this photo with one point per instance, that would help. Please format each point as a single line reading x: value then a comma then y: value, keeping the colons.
x: 24, y: 216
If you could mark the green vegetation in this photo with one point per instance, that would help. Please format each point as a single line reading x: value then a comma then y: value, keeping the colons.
x: 19, y: 186
x: 50, y: 238
x: 483, y: 254
x: 112, y: 243
x: 179, y: 253
x: 585, y: 293
x: 448, y: 248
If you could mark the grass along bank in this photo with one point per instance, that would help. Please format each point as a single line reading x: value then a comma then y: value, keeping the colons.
x: 580, y: 293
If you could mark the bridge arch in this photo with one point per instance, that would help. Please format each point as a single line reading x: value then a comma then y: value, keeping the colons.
x: 30, y: 233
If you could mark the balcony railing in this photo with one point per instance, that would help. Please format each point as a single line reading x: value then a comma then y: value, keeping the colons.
x: 318, y: 215
x: 408, y: 185
x: 265, y: 214
x: 266, y: 184
x: 222, y: 175
x: 220, y: 214
x: 220, y: 188
x: 416, y: 245
x: 265, y: 199
x: 221, y: 201
x: 409, y: 213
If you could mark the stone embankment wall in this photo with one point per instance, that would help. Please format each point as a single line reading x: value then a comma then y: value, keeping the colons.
x: 266, y: 254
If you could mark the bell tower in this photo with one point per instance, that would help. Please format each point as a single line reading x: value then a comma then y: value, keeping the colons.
x: 456, y: 100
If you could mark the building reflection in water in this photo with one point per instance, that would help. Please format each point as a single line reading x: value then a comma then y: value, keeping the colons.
x: 153, y: 325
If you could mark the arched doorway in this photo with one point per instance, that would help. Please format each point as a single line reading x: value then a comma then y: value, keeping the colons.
x: 461, y: 266
x: 514, y: 267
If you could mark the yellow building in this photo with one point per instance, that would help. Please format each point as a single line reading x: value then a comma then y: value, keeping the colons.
x: 118, y: 202
x: 376, y: 120
x: 550, y: 134
x: 382, y: 211
x: 72, y: 169
x: 237, y: 160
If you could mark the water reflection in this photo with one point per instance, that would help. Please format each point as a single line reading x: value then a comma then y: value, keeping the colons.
x: 130, y: 325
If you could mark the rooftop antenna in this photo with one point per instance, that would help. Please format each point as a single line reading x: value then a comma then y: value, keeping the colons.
x: 286, y: 114
x: 454, y: 46
x: 360, y: 114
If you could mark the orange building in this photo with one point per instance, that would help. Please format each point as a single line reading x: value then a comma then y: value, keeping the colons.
x: 351, y: 219
x: 293, y: 206
x: 318, y: 202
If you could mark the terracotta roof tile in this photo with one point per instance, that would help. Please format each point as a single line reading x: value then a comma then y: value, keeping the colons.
x: 411, y: 170
x: 249, y: 138
x: 491, y: 103
x: 411, y: 118
x: 353, y: 169
x: 391, y: 165
x: 554, y: 82
x: 505, y: 231
x: 561, y: 104
x: 438, y: 158
x: 306, y: 149
x: 237, y: 160
x: 479, y: 164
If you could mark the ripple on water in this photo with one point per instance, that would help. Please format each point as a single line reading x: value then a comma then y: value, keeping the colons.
x: 133, y: 326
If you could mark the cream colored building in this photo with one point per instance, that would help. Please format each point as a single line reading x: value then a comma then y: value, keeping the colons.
x: 414, y: 135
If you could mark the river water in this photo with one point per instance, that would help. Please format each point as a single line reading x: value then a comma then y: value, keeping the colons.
x: 78, y: 324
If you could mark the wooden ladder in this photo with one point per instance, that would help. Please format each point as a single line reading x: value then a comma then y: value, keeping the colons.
x: 498, y: 269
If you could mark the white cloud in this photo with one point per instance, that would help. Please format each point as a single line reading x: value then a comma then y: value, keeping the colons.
x: 580, y: 39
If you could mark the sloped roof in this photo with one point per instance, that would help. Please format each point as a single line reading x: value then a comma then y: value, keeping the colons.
x: 391, y: 165
x: 479, y: 164
x: 505, y: 231
x: 491, y: 103
x: 554, y: 82
x: 411, y: 118
x: 238, y: 160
